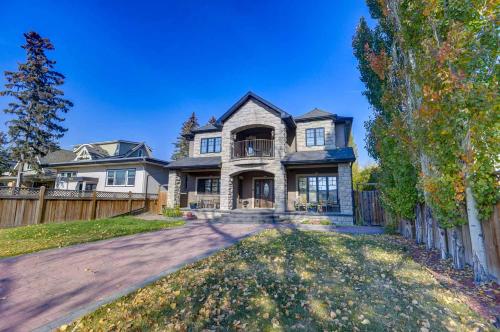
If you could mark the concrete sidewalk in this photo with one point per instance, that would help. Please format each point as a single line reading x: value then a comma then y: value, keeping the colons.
x: 47, y: 289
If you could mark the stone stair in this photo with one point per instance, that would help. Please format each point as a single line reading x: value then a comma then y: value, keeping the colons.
x: 249, y: 216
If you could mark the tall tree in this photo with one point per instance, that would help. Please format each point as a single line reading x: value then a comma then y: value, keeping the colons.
x: 38, y: 104
x: 212, y: 120
x: 4, y: 155
x: 182, y: 144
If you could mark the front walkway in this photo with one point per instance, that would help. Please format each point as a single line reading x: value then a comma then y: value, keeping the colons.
x: 47, y: 289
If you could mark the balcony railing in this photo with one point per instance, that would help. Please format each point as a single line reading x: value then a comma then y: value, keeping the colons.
x: 252, y: 148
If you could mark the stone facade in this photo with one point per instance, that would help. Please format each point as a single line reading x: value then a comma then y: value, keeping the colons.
x: 329, y: 126
x: 345, y: 189
x: 250, y: 114
x: 197, y: 145
x: 253, y: 114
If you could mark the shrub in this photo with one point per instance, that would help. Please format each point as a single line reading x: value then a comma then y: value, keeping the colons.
x: 172, y: 212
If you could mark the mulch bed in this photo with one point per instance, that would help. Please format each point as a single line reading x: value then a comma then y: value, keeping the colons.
x: 484, y: 298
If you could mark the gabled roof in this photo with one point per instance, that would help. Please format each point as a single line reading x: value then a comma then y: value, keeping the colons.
x: 320, y: 157
x: 287, y: 118
x: 315, y: 114
x: 207, y: 128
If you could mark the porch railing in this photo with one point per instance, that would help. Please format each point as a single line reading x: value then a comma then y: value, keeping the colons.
x: 252, y: 148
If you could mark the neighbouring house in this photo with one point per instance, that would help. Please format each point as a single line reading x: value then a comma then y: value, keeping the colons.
x: 33, y: 178
x: 113, y: 166
x: 257, y: 157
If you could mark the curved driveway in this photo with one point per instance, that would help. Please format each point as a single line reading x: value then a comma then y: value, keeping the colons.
x: 47, y: 289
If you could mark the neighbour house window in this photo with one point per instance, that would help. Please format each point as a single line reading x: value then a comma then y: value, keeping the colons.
x: 313, y: 189
x: 210, y: 145
x: 120, y: 177
x: 208, y: 186
x: 315, y: 137
x: 67, y: 174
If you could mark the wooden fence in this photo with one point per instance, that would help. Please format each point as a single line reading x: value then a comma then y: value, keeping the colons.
x: 491, y: 231
x: 369, y: 210
x: 29, y: 206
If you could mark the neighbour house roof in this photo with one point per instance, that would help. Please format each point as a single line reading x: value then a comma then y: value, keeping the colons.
x: 58, y: 156
x: 111, y: 160
x: 320, y: 157
x: 287, y: 118
x: 195, y: 163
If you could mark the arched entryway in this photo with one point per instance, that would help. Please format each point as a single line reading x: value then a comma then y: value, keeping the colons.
x: 253, y: 190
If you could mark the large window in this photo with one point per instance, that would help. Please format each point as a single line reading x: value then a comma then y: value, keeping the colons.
x: 208, y: 186
x: 315, y: 137
x: 210, y: 145
x: 120, y: 177
x: 313, y: 189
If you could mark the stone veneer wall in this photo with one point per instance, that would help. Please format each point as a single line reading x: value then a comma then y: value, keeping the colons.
x: 197, y: 145
x: 250, y: 114
x: 329, y: 126
x: 345, y: 189
x: 174, y: 188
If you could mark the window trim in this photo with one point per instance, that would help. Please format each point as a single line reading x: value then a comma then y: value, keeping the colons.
x: 206, y: 178
x: 114, y: 177
x: 315, y: 143
x: 208, y: 139
x: 297, y: 180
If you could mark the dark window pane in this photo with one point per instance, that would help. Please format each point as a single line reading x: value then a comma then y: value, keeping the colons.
x: 322, y: 188
x: 309, y: 137
x: 332, y: 189
x: 131, y: 177
x: 313, y: 196
x: 203, y: 145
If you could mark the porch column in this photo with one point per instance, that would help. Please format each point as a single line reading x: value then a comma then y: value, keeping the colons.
x: 226, y: 190
x: 174, y: 188
x: 345, y: 189
x: 280, y: 189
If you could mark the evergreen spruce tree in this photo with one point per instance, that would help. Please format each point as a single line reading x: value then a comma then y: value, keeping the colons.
x: 37, y: 106
x: 4, y: 155
x: 212, y: 120
x: 182, y: 144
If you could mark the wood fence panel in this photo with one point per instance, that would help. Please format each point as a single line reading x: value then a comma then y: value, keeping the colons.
x: 18, y: 207
x: 491, y: 231
x: 369, y: 210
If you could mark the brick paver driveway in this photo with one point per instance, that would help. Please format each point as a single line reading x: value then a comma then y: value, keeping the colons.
x: 46, y: 289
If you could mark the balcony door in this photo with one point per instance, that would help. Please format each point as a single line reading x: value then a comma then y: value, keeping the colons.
x: 263, y: 193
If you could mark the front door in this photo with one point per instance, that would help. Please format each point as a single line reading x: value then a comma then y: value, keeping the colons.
x: 264, y: 193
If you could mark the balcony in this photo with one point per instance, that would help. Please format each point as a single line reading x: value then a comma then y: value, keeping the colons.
x: 252, y: 148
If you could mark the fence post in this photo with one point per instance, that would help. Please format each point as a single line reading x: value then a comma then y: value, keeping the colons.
x: 158, y: 202
x: 40, y: 206
x: 93, y: 205
x: 129, y: 201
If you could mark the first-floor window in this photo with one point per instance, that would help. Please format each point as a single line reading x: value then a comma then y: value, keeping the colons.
x: 120, y: 177
x: 315, y: 189
x: 208, y: 186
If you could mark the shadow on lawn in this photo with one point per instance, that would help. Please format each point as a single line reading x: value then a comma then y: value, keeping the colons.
x: 288, y: 279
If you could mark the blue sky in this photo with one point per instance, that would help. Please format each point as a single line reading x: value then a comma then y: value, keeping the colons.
x: 136, y: 69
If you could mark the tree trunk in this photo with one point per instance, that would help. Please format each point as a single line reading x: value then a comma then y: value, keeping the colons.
x: 458, y: 248
x: 477, y: 239
x: 19, y: 177
x: 419, y: 224
x: 443, y: 249
x: 429, y: 230
x: 408, y: 229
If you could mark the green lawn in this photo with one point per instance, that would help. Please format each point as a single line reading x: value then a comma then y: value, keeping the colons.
x: 23, y: 240
x: 293, y: 280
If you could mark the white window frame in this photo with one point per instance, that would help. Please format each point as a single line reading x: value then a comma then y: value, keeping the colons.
x: 127, y: 170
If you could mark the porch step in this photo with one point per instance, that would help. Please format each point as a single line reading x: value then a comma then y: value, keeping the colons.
x: 249, y: 216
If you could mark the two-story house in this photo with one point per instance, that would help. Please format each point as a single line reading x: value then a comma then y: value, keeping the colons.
x: 112, y: 166
x: 258, y: 157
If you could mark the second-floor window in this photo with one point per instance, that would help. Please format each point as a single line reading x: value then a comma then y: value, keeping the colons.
x: 210, y: 145
x: 120, y: 177
x: 315, y: 137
